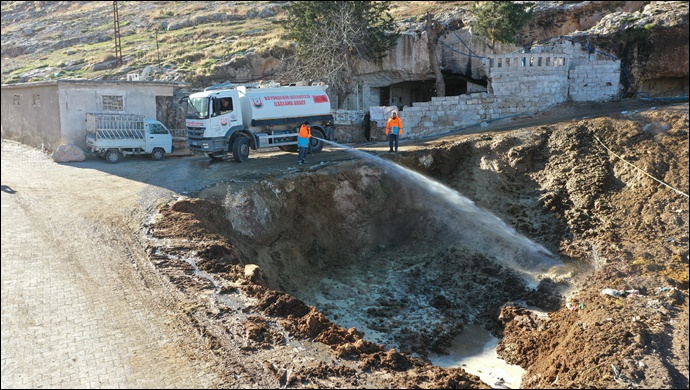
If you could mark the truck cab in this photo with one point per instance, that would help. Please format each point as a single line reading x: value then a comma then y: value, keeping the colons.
x: 213, y: 118
x: 157, y: 136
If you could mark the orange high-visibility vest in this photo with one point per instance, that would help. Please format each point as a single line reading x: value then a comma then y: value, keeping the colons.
x: 305, y: 131
x: 392, y: 123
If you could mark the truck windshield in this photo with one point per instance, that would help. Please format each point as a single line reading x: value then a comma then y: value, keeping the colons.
x: 197, y: 108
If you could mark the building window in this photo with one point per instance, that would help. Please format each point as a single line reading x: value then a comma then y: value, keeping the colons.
x: 17, y: 100
x: 37, y: 100
x: 113, y: 103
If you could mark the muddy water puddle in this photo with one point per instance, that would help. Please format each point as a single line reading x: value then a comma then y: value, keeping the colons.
x: 475, y: 352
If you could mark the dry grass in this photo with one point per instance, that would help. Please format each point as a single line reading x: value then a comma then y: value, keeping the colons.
x: 418, y: 9
x: 188, y: 48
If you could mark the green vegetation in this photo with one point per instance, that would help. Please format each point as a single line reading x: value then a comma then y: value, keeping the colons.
x: 501, y: 21
x: 332, y: 38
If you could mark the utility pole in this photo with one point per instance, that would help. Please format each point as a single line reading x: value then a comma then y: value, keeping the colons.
x: 157, y: 51
x: 433, y: 60
x: 118, y: 45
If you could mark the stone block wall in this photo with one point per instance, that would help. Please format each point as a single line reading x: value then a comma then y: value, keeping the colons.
x: 597, y: 80
x: 349, y: 126
x: 539, y: 77
x: 441, y: 115
x: 519, y: 84
x: 444, y: 114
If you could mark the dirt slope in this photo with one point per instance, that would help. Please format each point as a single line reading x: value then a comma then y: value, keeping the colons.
x: 597, y: 210
x: 587, y: 189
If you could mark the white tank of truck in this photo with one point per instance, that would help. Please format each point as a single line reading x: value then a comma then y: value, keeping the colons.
x: 234, y: 120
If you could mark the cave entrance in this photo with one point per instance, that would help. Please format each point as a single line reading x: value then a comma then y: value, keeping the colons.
x: 408, y: 92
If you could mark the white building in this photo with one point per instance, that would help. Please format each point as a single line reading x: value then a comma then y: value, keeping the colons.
x: 52, y: 113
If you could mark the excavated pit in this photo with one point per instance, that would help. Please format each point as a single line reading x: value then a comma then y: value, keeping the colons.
x: 392, y: 253
x: 410, y: 263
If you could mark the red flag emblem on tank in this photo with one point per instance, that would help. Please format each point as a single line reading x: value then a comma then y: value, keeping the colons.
x: 256, y: 101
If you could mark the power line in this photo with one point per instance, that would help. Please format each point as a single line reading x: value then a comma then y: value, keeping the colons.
x: 652, y: 177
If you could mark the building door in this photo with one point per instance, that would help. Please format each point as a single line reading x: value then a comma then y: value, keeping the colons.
x: 385, y: 96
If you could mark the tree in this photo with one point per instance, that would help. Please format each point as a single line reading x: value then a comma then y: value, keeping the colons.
x: 333, y: 37
x: 501, y: 20
x: 433, y: 60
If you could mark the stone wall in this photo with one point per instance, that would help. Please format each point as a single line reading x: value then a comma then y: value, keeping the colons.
x: 349, y: 126
x: 449, y: 113
x: 537, y: 76
x: 595, y: 81
x: 520, y: 83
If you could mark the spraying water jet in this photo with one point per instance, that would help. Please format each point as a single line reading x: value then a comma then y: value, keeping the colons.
x: 468, y: 226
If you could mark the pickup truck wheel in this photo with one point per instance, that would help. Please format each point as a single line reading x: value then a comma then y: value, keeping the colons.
x: 240, y: 149
x: 157, y: 154
x: 112, y: 156
x: 316, y: 144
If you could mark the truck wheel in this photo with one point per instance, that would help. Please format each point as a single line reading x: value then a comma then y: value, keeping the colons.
x: 289, y: 148
x: 316, y: 144
x: 240, y: 149
x: 157, y: 154
x: 112, y: 156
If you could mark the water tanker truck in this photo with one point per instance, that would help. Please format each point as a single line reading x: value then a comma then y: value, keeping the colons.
x: 234, y: 120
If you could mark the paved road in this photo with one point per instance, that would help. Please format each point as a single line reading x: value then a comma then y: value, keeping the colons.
x: 82, y: 307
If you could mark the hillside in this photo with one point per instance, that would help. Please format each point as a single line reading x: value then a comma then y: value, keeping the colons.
x: 48, y: 40
x: 212, y: 42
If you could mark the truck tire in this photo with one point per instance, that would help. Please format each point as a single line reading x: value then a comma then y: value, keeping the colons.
x: 240, y: 149
x: 157, y: 154
x: 316, y: 144
x: 289, y: 148
x: 112, y: 156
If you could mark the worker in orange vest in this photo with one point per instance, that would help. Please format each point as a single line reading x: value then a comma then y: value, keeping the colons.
x: 303, y: 140
x: 394, y: 130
